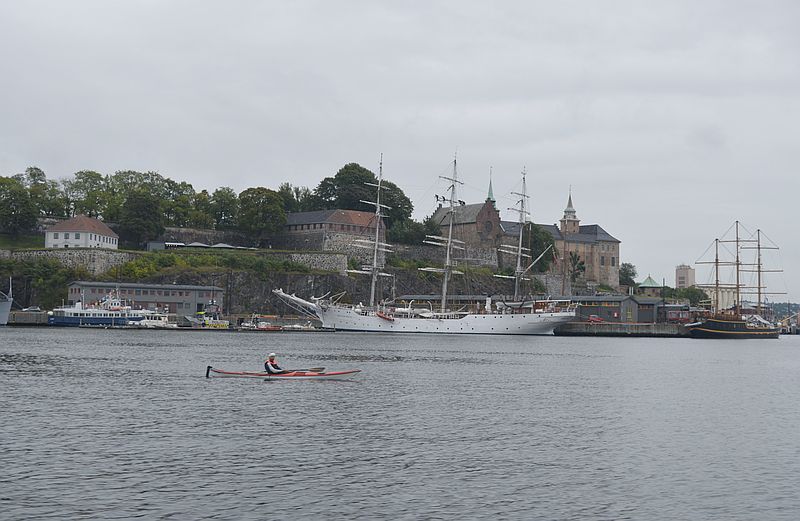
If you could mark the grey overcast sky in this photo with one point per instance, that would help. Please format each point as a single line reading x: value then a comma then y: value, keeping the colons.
x: 669, y: 119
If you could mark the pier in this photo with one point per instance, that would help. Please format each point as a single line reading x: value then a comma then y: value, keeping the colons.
x: 621, y: 329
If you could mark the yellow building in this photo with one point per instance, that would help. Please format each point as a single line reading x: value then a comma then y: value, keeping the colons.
x: 598, y: 250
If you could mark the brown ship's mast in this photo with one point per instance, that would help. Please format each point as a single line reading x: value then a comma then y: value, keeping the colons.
x: 716, y: 275
x: 737, y: 301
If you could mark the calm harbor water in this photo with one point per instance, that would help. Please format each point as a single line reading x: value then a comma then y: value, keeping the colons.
x: 113, y: 424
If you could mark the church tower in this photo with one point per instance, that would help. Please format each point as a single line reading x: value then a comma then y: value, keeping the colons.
x: 570, y: 224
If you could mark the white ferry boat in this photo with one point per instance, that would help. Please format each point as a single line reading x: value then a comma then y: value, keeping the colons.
x: 109, y: 312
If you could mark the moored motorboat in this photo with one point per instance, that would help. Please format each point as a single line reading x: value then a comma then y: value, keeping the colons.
x: 299, y: 374
x: 5, y: 304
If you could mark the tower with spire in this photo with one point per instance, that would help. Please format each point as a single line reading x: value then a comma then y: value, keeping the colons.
x: 570, y: 224
x: 490, y: 195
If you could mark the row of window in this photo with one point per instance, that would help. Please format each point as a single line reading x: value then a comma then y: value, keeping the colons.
x: 92, y: 237
x: 158, y: 292
x: 603, y: 260
x: 328, y: 226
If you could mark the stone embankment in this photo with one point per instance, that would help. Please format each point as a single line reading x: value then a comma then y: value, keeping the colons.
x: 621, y: 329
x: 94, y: 260
x: 98, y: 261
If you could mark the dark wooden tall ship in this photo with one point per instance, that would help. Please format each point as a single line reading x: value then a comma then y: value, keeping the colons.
x: 732, y: 322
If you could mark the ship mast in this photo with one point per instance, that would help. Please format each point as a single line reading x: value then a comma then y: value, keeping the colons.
x: 449, y: 247
x: 448, y: 243
x: 376, y: 245
x: 523, y: 217
x: 716, y: 275
x: 737, y: 302
x: 518, y: 250
x: 378, y: 217
x: 758, y: 269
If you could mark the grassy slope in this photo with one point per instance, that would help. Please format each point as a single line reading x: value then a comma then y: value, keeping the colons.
x: 23, y: 241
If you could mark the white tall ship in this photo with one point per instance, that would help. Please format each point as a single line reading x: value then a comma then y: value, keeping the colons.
x: 517, y: 317
x: 5, y: 304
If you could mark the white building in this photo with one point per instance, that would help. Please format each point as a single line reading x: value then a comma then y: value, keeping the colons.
x: 81, y: 232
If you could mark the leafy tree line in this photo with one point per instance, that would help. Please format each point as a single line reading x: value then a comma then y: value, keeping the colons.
x: 143, y: 203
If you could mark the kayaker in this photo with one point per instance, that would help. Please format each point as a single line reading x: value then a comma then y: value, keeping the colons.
x: 271, y: 365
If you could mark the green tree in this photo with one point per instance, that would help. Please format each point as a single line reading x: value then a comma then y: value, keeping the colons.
x: 536, y: 239
x: 87, y: 191
x: 348, y: 188
x: 141, y: 219
x: 225, y: 208
x: 693, y: 294
x: 177, y: 202
x: 409, y: 231
x: 35, y: 181
x: 54, y: 201
x: 576, y: 266
x: 261, y: 212
x: 201, y: 214
x: 324, y: 195
x: 17, y: 211
x: 627, y: 274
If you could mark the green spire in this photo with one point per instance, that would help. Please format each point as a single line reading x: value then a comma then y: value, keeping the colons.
x: 490, y: 195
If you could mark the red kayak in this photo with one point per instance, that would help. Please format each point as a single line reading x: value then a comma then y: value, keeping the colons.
x: 292, y: 375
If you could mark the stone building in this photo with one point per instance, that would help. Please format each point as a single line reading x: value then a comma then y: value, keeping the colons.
x: 596, y: 247
x: 81, y: 232
x: 478, y: 225
x: 332, y: 230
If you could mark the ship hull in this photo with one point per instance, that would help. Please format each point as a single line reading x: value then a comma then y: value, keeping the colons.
x: 5, y: 309
x: 731, y: 329
x: 348, y: 319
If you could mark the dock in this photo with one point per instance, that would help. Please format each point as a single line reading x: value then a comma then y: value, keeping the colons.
x: 621, y: 329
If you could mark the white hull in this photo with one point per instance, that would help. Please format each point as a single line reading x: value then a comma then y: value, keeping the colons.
x: 350, y: 319
x: 5, y: 309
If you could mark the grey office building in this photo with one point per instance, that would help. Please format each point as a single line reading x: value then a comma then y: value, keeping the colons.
x: 176, y: 298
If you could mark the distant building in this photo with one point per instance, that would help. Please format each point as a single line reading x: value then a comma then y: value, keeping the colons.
x: 476, y: 224
x: 175, y: 298
x: 81, y: 232
x: 624, y: 308
x: 649, y: 288
x: 598, y: 250
x: 332, y: 230
x: 684, y: 276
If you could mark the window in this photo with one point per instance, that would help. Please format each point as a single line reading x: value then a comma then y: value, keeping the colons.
x: 602, y: 260
x: 77, y: 235
x: 613, y: 261
x: 55, y: 235
x: 66, y: 235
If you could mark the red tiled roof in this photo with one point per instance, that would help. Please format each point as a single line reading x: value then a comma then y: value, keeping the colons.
x: 81, y: 223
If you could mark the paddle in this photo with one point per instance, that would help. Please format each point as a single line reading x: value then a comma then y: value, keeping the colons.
x: 311, y: 370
